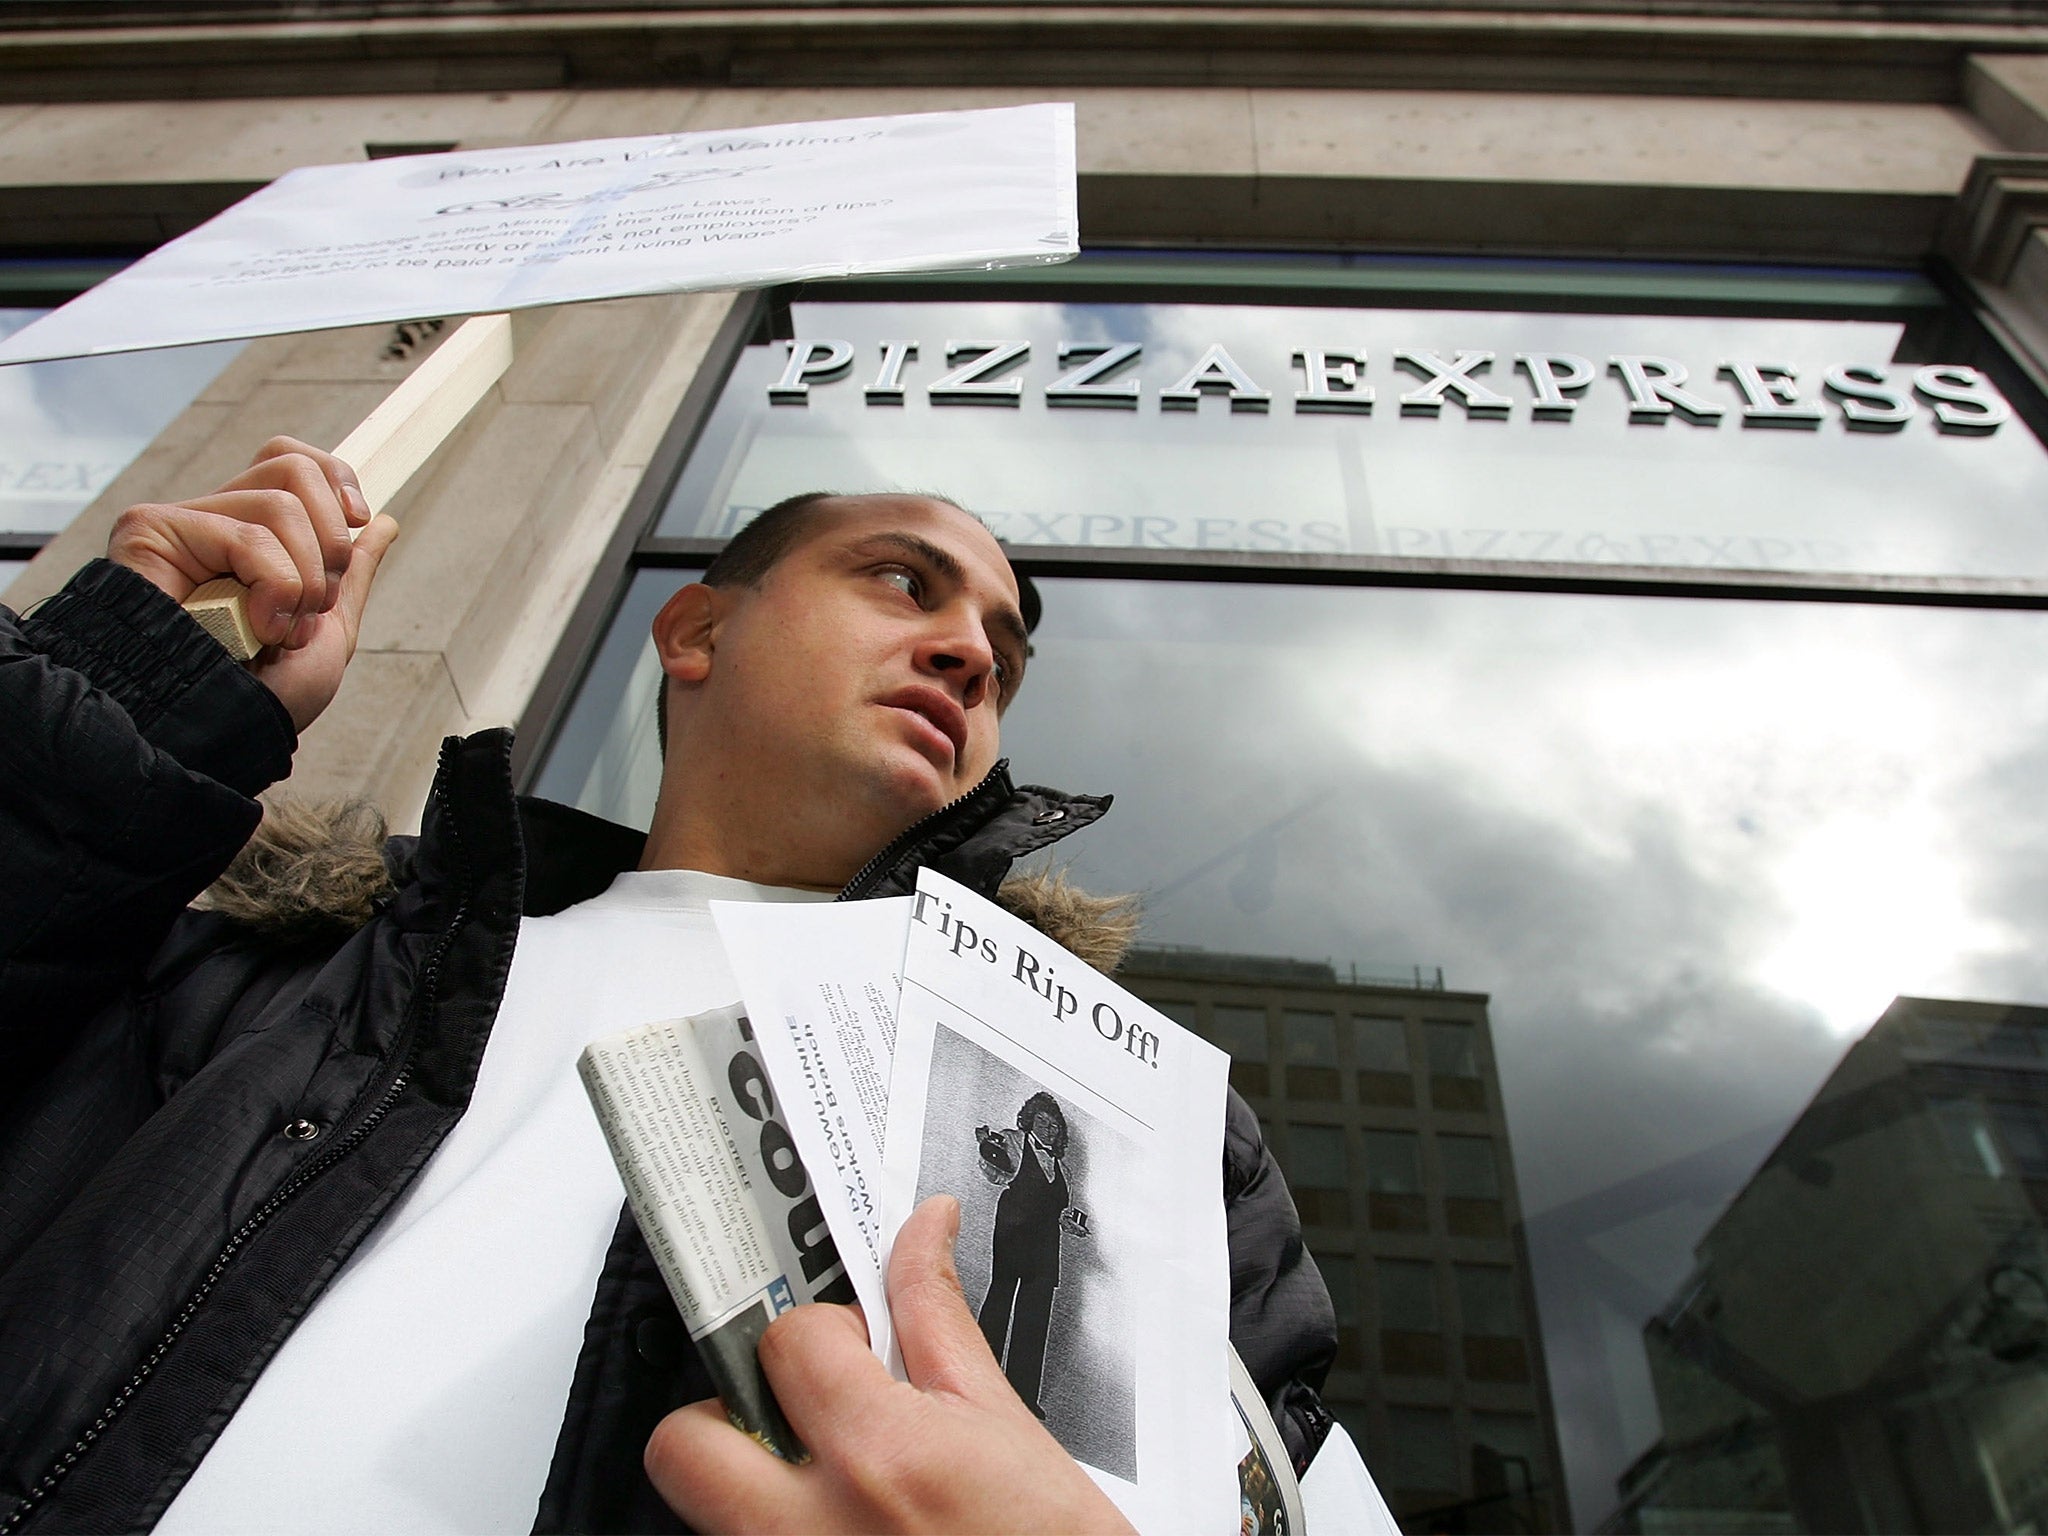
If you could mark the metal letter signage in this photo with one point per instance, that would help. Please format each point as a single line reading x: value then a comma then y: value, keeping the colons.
x: 1868, y: 403
x: 1552, y: 402
x: 808, y: 360
x: 1216, y: 369
x: 1084, y: 386
x: 1332, y: 381
x: 975, y: 382
x: 1454, y: 375
x: 1103, y: 374
x: 1656, y: 388
x: 1963, y: 400
x: 888, y: 386
x: 1769, y: 395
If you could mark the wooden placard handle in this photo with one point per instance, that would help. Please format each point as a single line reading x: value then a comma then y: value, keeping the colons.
x: 393, y: 440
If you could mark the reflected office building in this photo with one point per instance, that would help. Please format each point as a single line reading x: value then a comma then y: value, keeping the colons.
x: 1380, y: 1097
x: 1863, y: 1343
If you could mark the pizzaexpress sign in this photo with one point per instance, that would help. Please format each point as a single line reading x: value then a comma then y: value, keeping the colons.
x: 1552, y: 386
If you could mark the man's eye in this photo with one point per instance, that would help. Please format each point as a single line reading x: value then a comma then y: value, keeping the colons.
x: 907, y: 581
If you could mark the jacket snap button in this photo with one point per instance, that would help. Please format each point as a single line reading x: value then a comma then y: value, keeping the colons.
x: 1047, y: 818
x: 302, y: 1130
x: 659, y: 1340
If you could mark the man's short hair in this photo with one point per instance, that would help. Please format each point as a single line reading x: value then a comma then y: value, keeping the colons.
x: 758, y: 548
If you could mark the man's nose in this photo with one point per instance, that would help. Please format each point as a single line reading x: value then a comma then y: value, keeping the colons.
x: 961, y: 657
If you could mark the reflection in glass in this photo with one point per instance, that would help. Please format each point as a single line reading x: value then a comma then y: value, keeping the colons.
x: 1311, y: 1054
x: 1861, y: 1341
x: 1381, y: 1044
x: 1418, y: 1456
x: 1683, y: 853
x: 1486, y: 1300
x: 67, y: 428
x: 1392, y: 1164
x: 606, y: 758
x: 1452, y: 1049
x: 1340, y: 1274
x: 1470, y: 1172
x: 1315, y: 1154
x: 1601, y: 482
x: 1408, y: 1295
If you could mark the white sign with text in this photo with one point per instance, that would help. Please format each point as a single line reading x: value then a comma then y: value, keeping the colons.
x: 471, y: 233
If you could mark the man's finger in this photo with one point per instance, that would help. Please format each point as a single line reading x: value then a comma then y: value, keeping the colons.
x: 371, y: 545
x: 823, y: 1372
x: 339, y: 474
x: 285, y: 518
x: 313, y: 501
x: 719, y: 1479
x: 179, y: 546
x: 942, y: 1344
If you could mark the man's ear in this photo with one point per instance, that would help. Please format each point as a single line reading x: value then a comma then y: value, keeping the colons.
x: 684, y: 631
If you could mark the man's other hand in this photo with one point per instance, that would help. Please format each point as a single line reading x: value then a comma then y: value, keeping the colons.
x: 280, y: 528
x: 953, y: 1450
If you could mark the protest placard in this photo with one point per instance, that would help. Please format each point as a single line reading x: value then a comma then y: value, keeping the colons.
x: 475, y: 232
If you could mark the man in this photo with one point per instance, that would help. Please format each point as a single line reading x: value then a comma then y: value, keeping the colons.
x: 300, y: 1226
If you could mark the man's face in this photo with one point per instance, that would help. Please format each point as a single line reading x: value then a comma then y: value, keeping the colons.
x: 1044, y: 1129
x: 871, y: 664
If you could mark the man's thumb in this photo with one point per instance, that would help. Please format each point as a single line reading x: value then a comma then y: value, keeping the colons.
x: 943, y: 1349
x: 368, y: 554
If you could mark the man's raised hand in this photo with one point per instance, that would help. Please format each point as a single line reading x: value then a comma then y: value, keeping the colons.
x: 953, y: 1450
x: 281, y: 528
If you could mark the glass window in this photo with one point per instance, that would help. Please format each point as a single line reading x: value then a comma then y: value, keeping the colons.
x: 1966, y: 1133
x: 1509, y: 1465
x: 1485, y: 461
x: 1691, y: 865
x: 1453, y: 1049
x: 1316, y: 1158
x: 2013, y: 1037
x: 606, y: 759
x: 2024, y: 1129
x: 1311, y: 1038
x: 1340, y: 1274
x: 1407, y: 1289
x: 1185, y: 1014
x: 1471, y: 1171
x: 1421, y: 1451
x: 1391, y: 1162
x: 1381, y: 1043
x: 67, y: 428
x: 1240, y: 1031
x: 1486, y: 1300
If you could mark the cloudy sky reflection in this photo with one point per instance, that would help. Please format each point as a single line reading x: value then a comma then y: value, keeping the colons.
x: 1690, y: 848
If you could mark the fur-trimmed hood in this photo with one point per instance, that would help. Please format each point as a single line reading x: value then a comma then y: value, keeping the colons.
x: 328, y: 866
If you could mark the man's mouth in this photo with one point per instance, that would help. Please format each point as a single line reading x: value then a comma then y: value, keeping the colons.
x: 944, y: 719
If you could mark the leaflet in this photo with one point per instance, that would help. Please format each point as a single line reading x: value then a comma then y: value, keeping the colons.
x: 1081, y: 1131
x: 820, y: 983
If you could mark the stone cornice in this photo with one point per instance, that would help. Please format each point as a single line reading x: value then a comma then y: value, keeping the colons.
x: 1845, y: 58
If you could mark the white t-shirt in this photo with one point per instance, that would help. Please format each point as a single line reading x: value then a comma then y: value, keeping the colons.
x: 1339, y: 1496
x: 424, y: 1391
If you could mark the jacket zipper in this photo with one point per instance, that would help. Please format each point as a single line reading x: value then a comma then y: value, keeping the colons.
x: 430, y: 977
x: 907, y: 839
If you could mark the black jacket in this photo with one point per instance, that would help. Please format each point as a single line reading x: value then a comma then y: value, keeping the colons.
x: 198, y: 1122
